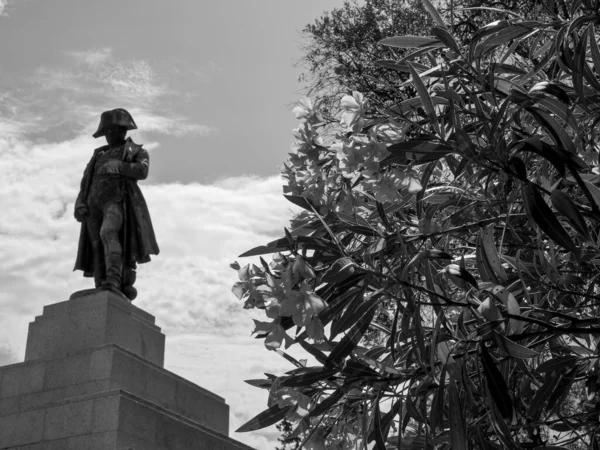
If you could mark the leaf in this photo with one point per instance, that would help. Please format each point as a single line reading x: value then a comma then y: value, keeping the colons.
x: 425, y: 98
x: 488, y: 29
x: 410, y: 42
x: 553, y: 128
x: 454, y: 270
x: 442, y: 34
x: 546, y: 151
x: 273, y: 247
x: 266, y: 418
x: 458, y: 432
x: 542, y: 215
x: 557, y: 363
x: 546, y: 87
x: 567, y: 208
x: 594, y: 191
x: 436, y: 411
x: 483, y: 266
x: 496, y: 384
x: 306, y: 379
x: 513, y: 349
x: 300, y: 201
x: 314, y: 351
x: 351, y: 339
x: 263, y: 384
x: 420, y: 150
x: 433, y: 12
x: 378, y: 433
x: 328, y: 403
x: 543, y: 394
x: 352, y: 315
x: 491, y: 254
x: 339, y: 270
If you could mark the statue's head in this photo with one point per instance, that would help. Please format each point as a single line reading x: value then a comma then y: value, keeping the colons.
x: 114, y: 125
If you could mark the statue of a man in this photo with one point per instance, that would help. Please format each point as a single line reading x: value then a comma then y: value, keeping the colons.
x: 116, y: 231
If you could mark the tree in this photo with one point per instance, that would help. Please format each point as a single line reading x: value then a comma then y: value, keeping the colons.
x: 466, y: 220
x: 342, y: 52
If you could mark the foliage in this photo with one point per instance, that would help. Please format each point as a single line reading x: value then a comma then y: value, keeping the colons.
x: 461, y: 225
x: 287, y: 440
x: 342, y: 52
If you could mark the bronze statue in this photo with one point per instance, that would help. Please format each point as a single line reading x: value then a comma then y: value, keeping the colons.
x: 116, y: 230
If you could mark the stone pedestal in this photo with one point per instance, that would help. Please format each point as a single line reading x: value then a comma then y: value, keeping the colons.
x: 93, y: 379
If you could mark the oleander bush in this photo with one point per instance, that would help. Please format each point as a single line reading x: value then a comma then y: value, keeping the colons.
x: 443, y: 273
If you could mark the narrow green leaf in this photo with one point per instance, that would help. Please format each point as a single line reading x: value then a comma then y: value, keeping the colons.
x: 513, y: 349
x: 352, y: 315
x: 425, y: 98
x: 458, y: 432
x: 266, y: 418
x: 558, y: 134
x: 496, y: 384
x: 351, y: 339
x: 420, y: 150
x: 567, y: 208
x: 314, y: 351
x: 263, y: 384
x: 433, y: 12
x: 306, y: 379
x: 546, y: 151
x: 594, y: 191
x: 548, y: 87
x: 410, y: 42
x: 543, y: 216
x: 557, y: 363
x: 328, y: 403
x: 340, y: 270
x: 442, y: 34
x: 543, y: 394
x: 300, y: 201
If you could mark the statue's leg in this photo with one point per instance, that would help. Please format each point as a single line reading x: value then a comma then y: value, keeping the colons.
x: 109, y: 233
x: 94, y: 222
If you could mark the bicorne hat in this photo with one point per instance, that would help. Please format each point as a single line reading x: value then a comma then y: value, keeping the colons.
x: 118, y: 117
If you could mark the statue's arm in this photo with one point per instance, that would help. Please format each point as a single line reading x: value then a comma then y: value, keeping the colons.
x: 137, y: 169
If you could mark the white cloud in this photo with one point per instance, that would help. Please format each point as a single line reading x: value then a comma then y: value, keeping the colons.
x: 200, y: 229
x: 68, y: 98
x: 3, y: 4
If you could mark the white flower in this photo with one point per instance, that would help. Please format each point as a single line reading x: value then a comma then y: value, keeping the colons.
x: 353, y: 112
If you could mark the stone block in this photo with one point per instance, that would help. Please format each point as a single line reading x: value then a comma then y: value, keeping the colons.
x: 21, y: 379
x: 105, y: 416
x: 69, y: 327
x: 21, y: 428
x: 71, y: 419
x: 169, y: 431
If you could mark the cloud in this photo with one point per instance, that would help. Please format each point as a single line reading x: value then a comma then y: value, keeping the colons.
x: 201, y: 228
x: 3, y: 5
x: 58, y: 102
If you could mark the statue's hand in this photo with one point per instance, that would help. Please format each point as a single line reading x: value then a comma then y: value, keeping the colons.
x: 111, y: 167
x: 81, y: 213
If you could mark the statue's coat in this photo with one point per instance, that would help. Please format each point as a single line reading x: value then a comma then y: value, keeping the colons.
x: 137, y: 234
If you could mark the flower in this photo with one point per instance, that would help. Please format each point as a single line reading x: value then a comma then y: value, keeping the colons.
x: 305, y: 110
x: 353, y: 112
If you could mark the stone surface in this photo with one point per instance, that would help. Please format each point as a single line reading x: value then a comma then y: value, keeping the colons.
x: 66, y: 328
x: 106, y: 421
x: 93, y: 379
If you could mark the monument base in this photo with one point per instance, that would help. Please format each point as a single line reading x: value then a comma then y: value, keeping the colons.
x: 85, y: 390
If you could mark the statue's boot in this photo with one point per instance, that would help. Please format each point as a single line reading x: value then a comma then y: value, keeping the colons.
x: 114, y: 271
x: 99, y: 264
x: 129, y: 276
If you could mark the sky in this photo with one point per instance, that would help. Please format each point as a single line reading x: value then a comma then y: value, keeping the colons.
x: 211, y: 85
